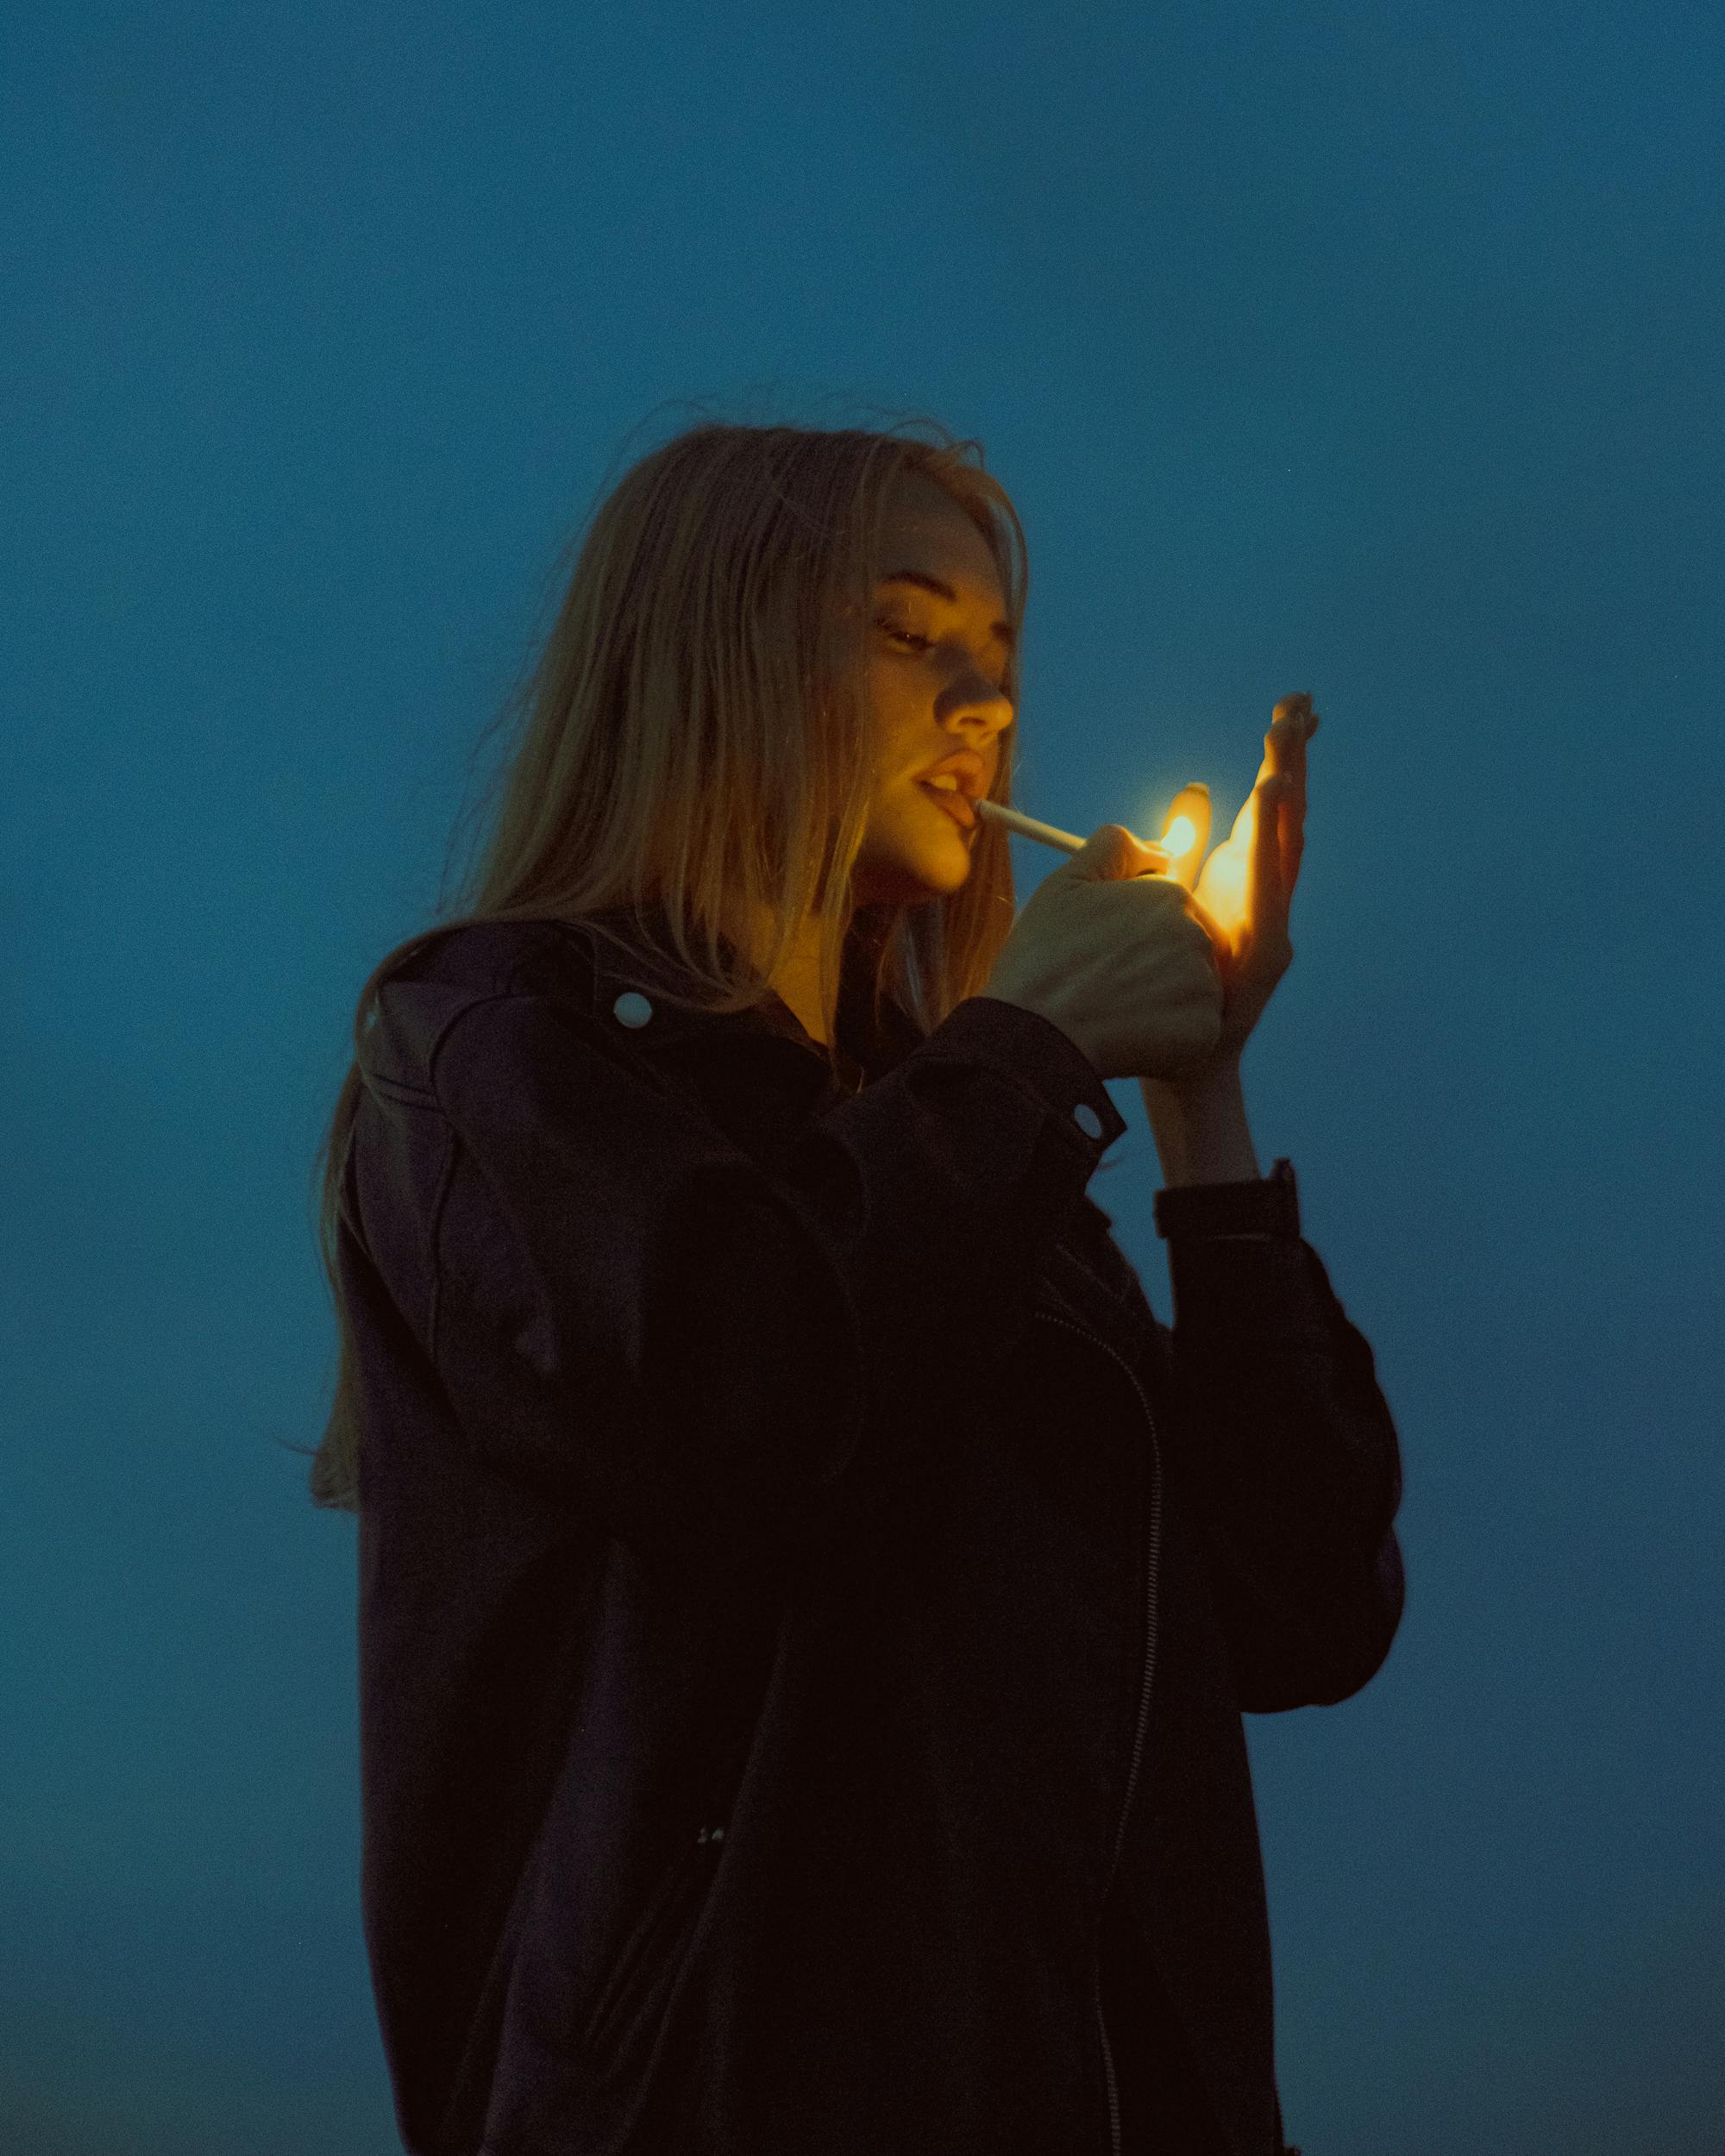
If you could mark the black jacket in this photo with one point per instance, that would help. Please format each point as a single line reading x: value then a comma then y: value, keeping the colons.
x: 806, y: 1599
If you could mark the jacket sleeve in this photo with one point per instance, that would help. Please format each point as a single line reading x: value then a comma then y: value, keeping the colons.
x: 1282, y: 1432
x: 629, y: 1312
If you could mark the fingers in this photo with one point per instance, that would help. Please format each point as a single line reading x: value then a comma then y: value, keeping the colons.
x: 1269, y: 892
x: 1292, y: 725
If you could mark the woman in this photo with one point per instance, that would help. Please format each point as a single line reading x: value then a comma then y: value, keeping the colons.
x: 807, y: 1599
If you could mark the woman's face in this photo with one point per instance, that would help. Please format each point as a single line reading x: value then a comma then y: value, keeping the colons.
x: 935, y: 665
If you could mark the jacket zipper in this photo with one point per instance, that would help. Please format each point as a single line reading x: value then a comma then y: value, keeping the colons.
x: 1143, y: 1705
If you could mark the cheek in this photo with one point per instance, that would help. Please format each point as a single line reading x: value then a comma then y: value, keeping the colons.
x: 885, y: 687
x: 901, y: 715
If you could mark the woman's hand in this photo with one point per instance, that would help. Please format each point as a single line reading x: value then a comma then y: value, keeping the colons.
x: 1244, y: 892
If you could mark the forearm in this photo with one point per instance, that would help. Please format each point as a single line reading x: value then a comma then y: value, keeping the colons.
x: 1201, y: 1129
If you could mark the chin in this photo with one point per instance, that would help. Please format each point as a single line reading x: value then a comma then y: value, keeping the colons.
x: 908, y: 860
x: 913, y: 879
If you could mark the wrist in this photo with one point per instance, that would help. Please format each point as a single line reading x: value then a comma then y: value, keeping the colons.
x: 1200, y: 1126
x: 1218, y: 1078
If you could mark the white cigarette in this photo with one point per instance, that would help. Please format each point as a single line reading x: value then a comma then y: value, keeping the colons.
x: 1046, y: 834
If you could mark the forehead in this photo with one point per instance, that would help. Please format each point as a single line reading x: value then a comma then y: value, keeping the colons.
x: 924, y: 529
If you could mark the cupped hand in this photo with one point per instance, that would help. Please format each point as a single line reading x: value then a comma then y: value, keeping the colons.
x: 1242, y: 896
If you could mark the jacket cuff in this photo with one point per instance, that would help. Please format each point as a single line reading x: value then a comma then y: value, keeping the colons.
x: 1269, y: 1206
x: 1236, y: 1258
x: 1034, y: 1050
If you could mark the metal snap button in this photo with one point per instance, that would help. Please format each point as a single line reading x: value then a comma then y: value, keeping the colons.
x: 1087, y: 1119
x: 631, y: 1008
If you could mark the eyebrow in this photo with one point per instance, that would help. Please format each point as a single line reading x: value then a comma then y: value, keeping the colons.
x: 1002, y: 629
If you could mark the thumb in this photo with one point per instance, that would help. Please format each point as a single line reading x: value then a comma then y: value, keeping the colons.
x: 1111, y: 853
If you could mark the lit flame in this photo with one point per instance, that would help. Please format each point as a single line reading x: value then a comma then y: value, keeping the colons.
x: 1180, y: 837
x: 1222, y: 886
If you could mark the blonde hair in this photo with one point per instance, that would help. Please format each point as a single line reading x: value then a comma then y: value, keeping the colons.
x: 696, y: 735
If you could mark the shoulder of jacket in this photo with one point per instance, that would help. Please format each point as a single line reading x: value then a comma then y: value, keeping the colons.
x: 488, y: 958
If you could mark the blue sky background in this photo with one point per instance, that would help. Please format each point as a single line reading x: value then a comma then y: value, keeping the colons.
x: 1364, y: 349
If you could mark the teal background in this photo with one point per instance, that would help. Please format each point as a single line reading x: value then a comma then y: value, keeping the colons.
x: 1365, y: 348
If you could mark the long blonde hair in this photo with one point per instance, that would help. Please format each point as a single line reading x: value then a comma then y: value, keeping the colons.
x: 695, y: 734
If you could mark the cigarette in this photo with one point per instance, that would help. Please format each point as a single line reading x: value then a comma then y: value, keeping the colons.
x: 1047, y: 834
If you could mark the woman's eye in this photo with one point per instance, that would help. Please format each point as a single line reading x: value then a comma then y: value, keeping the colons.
x: 922, y: 643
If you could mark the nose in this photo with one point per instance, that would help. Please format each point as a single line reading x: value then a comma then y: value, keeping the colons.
x: 971, y: 693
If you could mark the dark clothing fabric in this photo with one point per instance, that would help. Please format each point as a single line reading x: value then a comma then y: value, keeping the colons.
x: 806, y: 1599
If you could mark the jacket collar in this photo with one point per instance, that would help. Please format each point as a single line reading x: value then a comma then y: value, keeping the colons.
x: 867, y: 1049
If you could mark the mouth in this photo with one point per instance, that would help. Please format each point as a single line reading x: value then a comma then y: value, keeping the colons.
x: 954, y: 802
